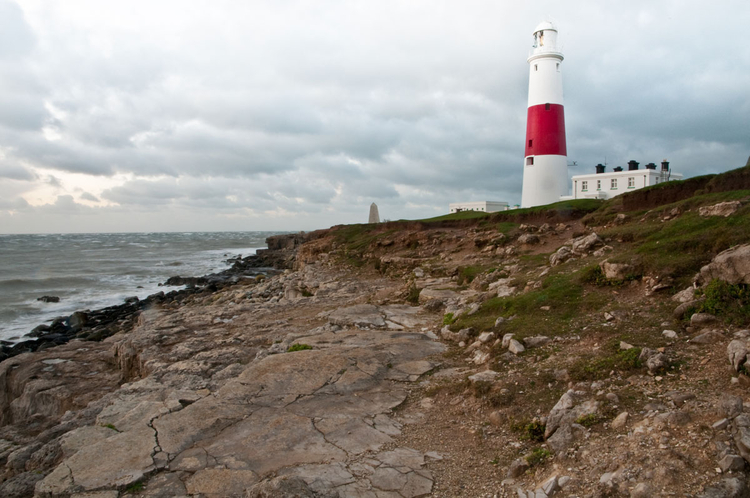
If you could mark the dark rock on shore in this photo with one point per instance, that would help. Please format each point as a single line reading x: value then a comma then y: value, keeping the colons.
x: 49, y: 299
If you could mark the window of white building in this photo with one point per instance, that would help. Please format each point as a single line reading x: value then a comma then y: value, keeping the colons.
x: 631, y: 182
x: 613, y: 184
x: 598, y: 185
x: 584, y: 185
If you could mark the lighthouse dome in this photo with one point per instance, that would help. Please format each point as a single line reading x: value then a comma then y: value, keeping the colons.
x: 545, y: 25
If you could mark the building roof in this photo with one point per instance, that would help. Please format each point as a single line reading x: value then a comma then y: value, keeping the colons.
x: 545, y: 25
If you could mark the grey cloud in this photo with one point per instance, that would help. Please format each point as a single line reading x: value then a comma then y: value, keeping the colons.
x: 15, y: 172
x: 86, y: 196
x: 16, y: 37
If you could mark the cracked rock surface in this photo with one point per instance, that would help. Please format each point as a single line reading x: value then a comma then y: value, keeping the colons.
x: 210, y: 403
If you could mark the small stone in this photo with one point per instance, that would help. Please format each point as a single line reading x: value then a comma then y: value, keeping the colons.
x: 486, y: 376
x: 500, y: 320
x: 657, y: 362
x: 720, y: 425
x: 517, y: 468
x: 730, y: 406
x: 669, y: 334
x: 625, y: 346
x: 620, y: 420
x: 485, y: 337
x: 544, y: 308
x: 506, y: 340
x: 515, y: 347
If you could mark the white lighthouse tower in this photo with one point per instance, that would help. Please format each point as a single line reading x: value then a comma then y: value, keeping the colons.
x: 545, y: 170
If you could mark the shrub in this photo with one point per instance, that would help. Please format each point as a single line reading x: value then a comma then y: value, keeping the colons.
x: 731, y: 302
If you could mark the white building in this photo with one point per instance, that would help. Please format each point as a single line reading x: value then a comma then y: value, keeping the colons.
x: 605, y: 185
x: 483, y: 206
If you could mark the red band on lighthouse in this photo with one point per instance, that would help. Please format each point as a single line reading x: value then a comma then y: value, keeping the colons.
x: 545, y: 130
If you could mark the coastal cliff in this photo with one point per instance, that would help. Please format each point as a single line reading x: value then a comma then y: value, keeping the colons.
x: 581, y: 349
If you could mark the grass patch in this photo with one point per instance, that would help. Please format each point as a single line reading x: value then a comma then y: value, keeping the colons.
x: 595, y: 368
x: 466, y: 274
x: 589, y: 420
x: 448, y: 319
x: 111, y: 426
x: 565, y: 296
x: 298, y: 347
x: 538, y: 456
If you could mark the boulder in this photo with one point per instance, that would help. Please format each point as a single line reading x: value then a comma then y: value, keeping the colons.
x: 529, y: 239
x: 730, y: 406
x: 560, y: 256
x: 536, y: 341
x: 721, y: 209
x: 702, y: 319
x: 732, y: 266
x: 587, y: 243
x: 657, y: 363
x: 737, y: 353
x: 515, y: 347
x: 709, y: 337
x: 616, y: 271
x: 517, y: 468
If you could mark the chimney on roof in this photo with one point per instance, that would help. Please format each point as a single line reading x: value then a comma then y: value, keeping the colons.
x: 650, y: 166
x: 600, y: 168
x: 632, y: 165
x: 665, y: 165
x: 618, y: 169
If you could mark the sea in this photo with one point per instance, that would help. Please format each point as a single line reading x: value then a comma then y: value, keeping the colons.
x: 92, y: 271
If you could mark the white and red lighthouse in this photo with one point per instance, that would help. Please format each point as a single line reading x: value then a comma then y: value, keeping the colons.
x: 545, y: 170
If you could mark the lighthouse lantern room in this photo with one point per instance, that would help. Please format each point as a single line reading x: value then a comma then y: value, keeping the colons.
x: 545, y: 170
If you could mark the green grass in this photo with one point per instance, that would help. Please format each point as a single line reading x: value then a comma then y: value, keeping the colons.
x: 462, y: 215
x: 537, y: 456
x: 592, y: 367
x: 566, y: 298
x: 298, y: 347
x: 448, y: 319
x: 570, y: 208
x: 466, y: 274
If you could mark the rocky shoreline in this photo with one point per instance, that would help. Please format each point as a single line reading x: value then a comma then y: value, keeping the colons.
x: 99, y: 324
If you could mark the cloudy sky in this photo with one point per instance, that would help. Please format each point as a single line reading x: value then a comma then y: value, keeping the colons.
x: 295, y: 115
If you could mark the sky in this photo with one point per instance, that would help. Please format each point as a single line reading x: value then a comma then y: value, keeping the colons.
x: 296, y: 115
